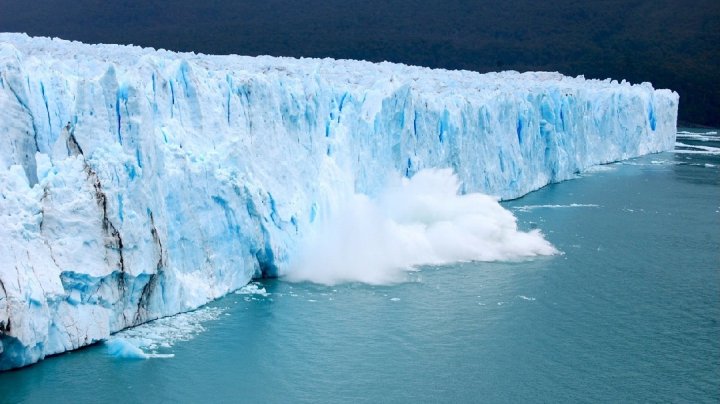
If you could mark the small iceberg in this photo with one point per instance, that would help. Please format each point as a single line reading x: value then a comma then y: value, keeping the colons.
x: 121, y: 348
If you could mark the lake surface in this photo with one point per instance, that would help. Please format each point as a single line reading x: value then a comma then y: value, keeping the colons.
x: 629, y: 312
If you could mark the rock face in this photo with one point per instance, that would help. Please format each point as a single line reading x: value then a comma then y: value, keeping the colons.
x: 138, y: 183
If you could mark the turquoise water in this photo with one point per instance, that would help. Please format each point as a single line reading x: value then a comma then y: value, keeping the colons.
x: 629, y: 312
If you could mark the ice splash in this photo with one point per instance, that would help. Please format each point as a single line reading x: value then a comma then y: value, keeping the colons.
x: 418, y: 221
x: 144, y: 341
x: 253, y: 288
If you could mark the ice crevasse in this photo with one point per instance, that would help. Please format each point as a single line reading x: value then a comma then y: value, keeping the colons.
x: 139, y: 183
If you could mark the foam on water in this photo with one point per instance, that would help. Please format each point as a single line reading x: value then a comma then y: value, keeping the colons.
x: 418, y: 221
x: 710, y: 151
x: 527, y: 208
x: 696, y: 148
x: 663, y: 162
x: 161, y: 334
x: 599, y: 168
x: 698, y: 136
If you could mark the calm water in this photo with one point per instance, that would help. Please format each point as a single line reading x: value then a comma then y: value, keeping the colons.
x: 630, y: 312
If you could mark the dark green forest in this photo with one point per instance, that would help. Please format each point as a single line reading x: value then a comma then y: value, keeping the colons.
x: 672, y: 44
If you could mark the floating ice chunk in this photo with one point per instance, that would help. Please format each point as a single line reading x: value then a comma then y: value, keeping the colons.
x: 167, y: 331
x: 122, y: 348
x: 253, y: 288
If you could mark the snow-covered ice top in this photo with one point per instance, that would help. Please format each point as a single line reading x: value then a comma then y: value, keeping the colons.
x: 139, y: 183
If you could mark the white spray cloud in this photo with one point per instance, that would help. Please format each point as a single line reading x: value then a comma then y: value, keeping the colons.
x: 418, y: 221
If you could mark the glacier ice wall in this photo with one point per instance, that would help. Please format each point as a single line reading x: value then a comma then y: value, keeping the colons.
x: 137, y: 183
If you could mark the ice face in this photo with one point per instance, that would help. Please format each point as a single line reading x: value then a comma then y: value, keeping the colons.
x: 138, y: 183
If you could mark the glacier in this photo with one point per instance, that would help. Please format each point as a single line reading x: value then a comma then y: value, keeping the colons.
x: 138, y: 183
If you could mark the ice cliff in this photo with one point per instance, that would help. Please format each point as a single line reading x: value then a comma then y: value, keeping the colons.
x: 137, y: 183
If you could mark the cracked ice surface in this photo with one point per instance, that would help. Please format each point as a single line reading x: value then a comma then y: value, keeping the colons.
x: 136, y: 183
